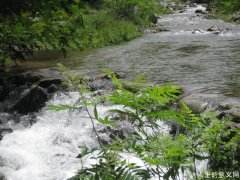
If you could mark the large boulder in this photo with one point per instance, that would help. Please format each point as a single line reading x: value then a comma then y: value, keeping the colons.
x: 47, y: 82
x: 23, y: 79
x: 13, y: 84
x: 32, y: 101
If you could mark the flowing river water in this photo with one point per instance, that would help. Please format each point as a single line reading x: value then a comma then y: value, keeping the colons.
x: 201, y: 61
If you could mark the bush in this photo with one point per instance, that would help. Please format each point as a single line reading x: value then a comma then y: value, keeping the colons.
x: 61, y: 25
x: 101, y: 30
x: 134, y: 10
x: 46, y: 25
x: 165, y: 156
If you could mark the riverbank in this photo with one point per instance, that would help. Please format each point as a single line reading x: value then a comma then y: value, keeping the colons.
x: 226, y: 10
x: 77, y: 25
x: 44, y: 144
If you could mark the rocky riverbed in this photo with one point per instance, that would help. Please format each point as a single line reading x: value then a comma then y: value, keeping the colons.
x: 199, y: 54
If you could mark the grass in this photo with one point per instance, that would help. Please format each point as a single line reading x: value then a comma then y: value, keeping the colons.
x: 101, y: 29
x: 225, y: 9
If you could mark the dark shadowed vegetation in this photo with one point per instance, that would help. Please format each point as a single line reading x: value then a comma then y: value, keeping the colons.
x: 27, y: 26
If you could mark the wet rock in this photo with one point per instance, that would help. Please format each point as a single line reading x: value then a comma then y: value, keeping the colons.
x: 46, y: 73
x: 209, y: 8
x: 154, y: 18
x: 52, y: 89
x: 119, y: 117
x: 233, y: 113
x: 108, y: 134
x: 101, y: 84
x: 213, y: 28
x: 102, y: 76
x: 4, y: 90
x: 12, y: 85
x: 33, y: 101
x: 2, y: 81
x: 45, y: 83
x: 192, y: 5
x: 199, y: 11
x: 205, y: 5
x: 199, y: 102
x: 99, y: 76
x: 120, y: 75
x: 217, y: 32
x: 23, y: 79
x: 228, y: 103
x: 175, y: 7
x: 2, y: 177
x: 181, y: 11
x: 197, y: 31
x: 4, y: 131
x: 156, y: 29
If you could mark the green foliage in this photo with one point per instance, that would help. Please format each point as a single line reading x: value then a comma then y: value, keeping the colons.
x: 111, y: 167
x: 101, y: 29
x: 38, y: 25
x: 134, y: 10
x: 63, y: 107
x: 224, y: 9
x: 198, y: 137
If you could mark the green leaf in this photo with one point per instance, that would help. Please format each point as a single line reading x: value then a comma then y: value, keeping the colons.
x: 63, y: 107
x: 106, y: 121
x: 85, y: 151
x: 96, y: 113
x: 112, y: 76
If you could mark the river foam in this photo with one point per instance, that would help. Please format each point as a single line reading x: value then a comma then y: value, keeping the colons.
x: 48, y: 149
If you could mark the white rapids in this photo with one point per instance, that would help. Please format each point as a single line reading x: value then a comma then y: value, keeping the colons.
x: 48, y: 149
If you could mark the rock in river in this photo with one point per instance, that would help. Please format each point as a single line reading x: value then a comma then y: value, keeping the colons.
x: 47, y: 82
x: 213, y: 28
x: 154, y: 18
x: 233, y: 113
x: 32, y: 101
x: 199, y: 102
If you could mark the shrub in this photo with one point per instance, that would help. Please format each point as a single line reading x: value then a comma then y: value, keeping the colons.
x: 164, y: 155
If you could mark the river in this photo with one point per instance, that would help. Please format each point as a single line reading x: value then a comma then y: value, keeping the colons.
x: 201, y: 61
